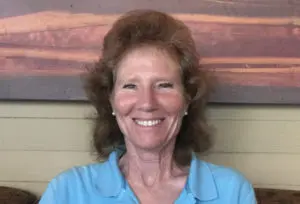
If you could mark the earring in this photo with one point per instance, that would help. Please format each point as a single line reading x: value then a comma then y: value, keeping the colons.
x: 185, y: 113
x: 113, y: 113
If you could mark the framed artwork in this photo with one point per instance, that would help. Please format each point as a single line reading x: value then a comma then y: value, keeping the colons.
x: 252, y: 47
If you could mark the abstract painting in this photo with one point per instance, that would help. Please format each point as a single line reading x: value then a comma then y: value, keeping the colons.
x: 251, y: 47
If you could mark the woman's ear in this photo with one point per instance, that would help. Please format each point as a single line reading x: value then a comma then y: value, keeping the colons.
x: 186, y: 110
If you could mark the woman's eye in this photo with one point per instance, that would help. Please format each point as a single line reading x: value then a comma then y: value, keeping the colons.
x: 129, y: 86
x: 166, y: 85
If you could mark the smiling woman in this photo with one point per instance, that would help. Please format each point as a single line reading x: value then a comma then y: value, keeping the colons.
x: 150, y: 95
x: 139, y: 53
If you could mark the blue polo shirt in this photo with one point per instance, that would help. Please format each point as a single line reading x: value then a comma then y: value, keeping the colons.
x: 103, y: 183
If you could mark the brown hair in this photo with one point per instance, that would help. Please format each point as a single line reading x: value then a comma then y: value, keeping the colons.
x: 153, y: 28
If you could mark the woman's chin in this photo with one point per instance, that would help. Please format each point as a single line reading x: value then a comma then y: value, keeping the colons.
x: 149, y: 145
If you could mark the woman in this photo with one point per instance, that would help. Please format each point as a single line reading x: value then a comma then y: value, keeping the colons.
x: 150, y: 97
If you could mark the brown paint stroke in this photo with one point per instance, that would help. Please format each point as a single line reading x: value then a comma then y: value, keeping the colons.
x: 52, y: 20
x: 84, y: 37
x: 91, y: 56
x: 220, y: 7
x: 24, y: 66
x: 73, y: 55
x: 258, y: 79
x: 291, y: 70
x: 281, y: 76
x: 212, y: 39
x: 250, y: 66
x: 93, y: 35
x: 276, y: 47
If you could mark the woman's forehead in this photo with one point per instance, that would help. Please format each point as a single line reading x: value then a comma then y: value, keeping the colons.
x: 148, y: 58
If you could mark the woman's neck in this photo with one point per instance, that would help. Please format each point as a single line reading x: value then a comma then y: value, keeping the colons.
x: 148, y: 168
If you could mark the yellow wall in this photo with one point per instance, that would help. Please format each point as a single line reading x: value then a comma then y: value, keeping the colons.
x: 39, y: 140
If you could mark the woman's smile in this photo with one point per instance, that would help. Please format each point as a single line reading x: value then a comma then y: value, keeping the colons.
x: 148, y: 123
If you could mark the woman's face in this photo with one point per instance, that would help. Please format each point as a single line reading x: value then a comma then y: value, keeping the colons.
x: 148, y: 99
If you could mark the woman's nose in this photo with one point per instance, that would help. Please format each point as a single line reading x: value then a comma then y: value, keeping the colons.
x: 147, y: 100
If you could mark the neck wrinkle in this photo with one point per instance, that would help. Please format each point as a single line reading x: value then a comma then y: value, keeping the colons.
x: 148, y: 168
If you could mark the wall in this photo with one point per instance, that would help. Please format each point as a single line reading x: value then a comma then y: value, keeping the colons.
x: 39, y: 140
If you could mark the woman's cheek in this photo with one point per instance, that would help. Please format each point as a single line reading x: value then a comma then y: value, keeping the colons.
x: 173, y: 101
x: 123, y: 103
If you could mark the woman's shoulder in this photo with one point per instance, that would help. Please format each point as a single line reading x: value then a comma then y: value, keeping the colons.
x: 222, y: 173
x: 221, y: 182
x: 82, y: 173
x: 80, y: 181
x: 224, y: 177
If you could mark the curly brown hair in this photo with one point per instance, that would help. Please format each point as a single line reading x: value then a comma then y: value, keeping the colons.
x: 148, y: 27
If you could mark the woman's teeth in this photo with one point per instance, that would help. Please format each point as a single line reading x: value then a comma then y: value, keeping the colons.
x: 147, y: 123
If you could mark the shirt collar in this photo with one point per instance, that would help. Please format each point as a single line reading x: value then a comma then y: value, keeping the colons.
x: 110, y: 181
x: 200, y: 183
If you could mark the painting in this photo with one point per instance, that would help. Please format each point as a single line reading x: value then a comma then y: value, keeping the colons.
x: 251, y: 47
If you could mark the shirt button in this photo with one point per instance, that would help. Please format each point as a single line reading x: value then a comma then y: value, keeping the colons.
x: 192, y: 198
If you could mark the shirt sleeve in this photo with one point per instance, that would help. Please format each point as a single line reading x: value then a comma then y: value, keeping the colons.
x: 242, y: 190
x: 250, y: 198
x: 49, y: 196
